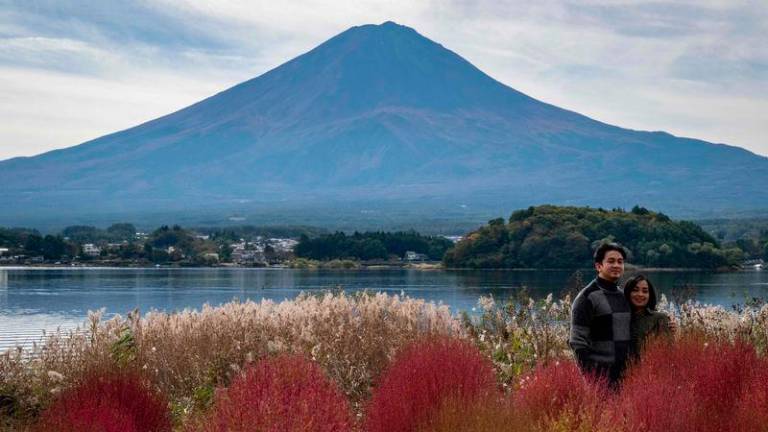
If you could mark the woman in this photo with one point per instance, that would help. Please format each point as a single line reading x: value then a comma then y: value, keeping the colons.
x: 646, y: 321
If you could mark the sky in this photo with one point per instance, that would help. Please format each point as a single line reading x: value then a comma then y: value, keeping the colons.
x: 72, y: 71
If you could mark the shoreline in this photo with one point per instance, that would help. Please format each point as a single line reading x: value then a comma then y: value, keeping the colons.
x: 425, y: 266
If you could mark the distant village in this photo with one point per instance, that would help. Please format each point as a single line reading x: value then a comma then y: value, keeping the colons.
x: 260, y: 252
x: 166, y: 246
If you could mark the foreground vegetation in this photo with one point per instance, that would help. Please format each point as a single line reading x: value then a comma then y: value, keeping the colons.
x: 564, y: 237
x: 347, y: 352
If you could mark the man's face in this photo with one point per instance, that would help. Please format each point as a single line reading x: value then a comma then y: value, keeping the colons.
x: 612, y: 266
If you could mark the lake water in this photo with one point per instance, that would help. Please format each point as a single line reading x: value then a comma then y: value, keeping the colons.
x: 33, y: 299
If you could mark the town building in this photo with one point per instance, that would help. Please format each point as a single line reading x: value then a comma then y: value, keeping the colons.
x: 413, y: 256
x: 91, y: 249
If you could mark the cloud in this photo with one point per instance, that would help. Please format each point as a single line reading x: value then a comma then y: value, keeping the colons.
x: 682, y: 67
x: 67, y: 55
x: 137, y: 22
x: 69, y: 109
x: 665, y: 20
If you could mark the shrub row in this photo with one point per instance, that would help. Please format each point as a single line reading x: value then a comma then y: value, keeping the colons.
x: 447, y: 384
x: 352, y: 338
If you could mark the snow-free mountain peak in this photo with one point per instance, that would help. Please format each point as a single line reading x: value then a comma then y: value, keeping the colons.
x: 378, y: 113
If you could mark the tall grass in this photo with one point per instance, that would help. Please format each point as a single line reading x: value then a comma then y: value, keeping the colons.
x: 521, y: 333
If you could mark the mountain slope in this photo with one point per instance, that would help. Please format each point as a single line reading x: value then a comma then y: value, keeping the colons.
x: 380, y: 112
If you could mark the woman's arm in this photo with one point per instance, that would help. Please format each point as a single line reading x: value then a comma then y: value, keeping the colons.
x: 665, y: 326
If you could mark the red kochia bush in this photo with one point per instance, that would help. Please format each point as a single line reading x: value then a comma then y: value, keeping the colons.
x: 752, y: 413
x: 558, y: 391
x: 691, y: 384
x: 423, y: 377
x: 107, y: 403
x: 494, y: 413
x: 286, y: 393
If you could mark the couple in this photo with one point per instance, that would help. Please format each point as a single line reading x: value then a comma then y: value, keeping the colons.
x: 608, y: 324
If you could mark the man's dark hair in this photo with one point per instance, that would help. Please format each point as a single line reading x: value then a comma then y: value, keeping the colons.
x: 632, y: 283
x: 607, y: 247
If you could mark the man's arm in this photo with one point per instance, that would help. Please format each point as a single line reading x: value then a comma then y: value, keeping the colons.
x: 580, y: 338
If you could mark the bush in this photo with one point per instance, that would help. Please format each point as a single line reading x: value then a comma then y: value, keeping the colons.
x: 186, y: 355
x: 558, y: 394
x: 351, y: 336
x: 752, y: 413
x: 285, y: 393
x: 423, y: 378
x: 494, y: 413
x: 692, y: 384
x: 107, y: 403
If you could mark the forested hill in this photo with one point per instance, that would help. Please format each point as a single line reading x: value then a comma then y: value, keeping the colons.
x: 564, y: 237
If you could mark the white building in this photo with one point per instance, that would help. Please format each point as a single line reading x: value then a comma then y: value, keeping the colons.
x: 413, y: 256
x: 247, y: 256
x: 91, y: 249
x: 283, y: 244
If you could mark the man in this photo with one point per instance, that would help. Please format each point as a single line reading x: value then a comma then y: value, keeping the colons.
x: 600, y: 318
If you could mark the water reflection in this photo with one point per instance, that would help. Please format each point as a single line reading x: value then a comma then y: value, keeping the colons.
x: 3, y: 288
x: 72, y: 292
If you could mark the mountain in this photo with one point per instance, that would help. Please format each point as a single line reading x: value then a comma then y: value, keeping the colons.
x: 383, y: 116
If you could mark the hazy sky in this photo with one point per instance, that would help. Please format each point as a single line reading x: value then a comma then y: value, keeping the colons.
x: 71, y: 71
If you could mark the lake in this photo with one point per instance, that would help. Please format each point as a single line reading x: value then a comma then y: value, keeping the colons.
x: 32, y: 299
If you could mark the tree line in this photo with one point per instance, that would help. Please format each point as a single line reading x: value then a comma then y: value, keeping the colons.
x: 564, y: 237
x: 537, y: 237
x: 118, y: 241
x: 371, y: 245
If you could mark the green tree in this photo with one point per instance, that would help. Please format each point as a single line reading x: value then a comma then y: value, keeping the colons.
x: 121, y: 231
x: 54, y: 247
x: 370, y: 245
x: 83, y: 234
x: 765, y: 251
x: 34, y: 245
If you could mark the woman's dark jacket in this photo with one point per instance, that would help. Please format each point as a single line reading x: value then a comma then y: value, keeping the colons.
x: 647, y: 322
x: 644, y: 324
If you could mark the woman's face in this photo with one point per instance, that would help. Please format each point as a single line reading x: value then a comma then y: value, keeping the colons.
x: 640, y: 295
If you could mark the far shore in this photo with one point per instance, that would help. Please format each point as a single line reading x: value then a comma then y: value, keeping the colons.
x: 425, y: 266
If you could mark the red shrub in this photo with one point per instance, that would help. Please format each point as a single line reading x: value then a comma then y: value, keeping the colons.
x: 494, y: 413
x: 424, y: 376
x: 687, y: 385
x: 752, y: 413
x: 558, y: 392
x: 286, y: 393
x: 107, y: 403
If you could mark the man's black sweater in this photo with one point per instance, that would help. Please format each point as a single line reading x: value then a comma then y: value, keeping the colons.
x: 600, y: 329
